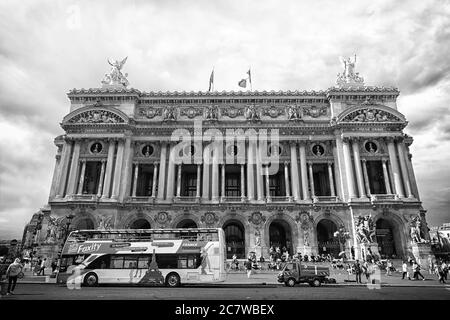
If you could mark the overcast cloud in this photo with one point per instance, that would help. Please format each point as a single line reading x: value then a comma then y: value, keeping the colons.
x: 50, y: 47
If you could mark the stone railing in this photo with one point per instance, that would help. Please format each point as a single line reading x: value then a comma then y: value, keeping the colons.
x: 382, y: 197
x: 325, y: 199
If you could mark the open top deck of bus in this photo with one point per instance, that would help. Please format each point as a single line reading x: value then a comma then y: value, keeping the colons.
x: 138, y: 235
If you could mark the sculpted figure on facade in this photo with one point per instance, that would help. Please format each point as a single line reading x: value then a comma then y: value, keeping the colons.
x: 416, y: 233
x: 365, y: 229
x: 52, y: 230
x: 370, y: 115
x: 169, y: 114
x: 257, y: 238
x: 293, y: 113
x: 104, y: 223
x: 212, y: 113
x: 115, y: 76
x: 349, y: 77
x: 96, y: 116
x: 251, y: 113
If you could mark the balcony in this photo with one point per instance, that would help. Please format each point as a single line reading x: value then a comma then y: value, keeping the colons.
x: 325, y: 199
x: 84, y: 197
x: 279, y: 199
x: 383, y: 197
x: 186, y: 199
x: 142, y: 199
x: 233, y: 199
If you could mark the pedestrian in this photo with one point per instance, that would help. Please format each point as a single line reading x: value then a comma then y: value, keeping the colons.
x: 444, y: 267
x: 358, y: 271
x: 416, y: 269
x: 388, y: 267
x: 440, y: 273
x: 42, y: 267
x: 53, y: 265
x: 11, y: 273
x: 405, y: 271
x: 366, y: 270
x: 248, y: 266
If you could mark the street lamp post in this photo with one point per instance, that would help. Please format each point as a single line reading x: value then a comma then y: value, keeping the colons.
x: 69, y: 219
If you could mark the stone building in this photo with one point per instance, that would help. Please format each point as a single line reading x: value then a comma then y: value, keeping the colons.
x: 313, y: 171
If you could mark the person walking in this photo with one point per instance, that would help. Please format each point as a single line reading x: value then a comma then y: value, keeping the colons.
x: 444, y: 267
x: 11, y: 273
x: 248, y: 266
x: 405, y: 271
x: 416, y: 269
x: 440, y: 273
x: 358, y: 271
x: 42, y: 267
x: 388, y: 267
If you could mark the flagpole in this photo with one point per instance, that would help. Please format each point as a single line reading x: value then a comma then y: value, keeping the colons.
x: 213, y: 80
x: 250, y: 78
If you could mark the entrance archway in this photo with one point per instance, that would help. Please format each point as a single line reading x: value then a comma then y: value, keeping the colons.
x: 326, y: 241
x: 186, y: 223
x: 84, y: 224
x: 387, y: 239
x: 280, y: 235
x: 234, y: 238
x: 140, y: 224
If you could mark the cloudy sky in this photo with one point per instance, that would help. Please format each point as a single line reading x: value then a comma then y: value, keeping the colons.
x: 50, y: 47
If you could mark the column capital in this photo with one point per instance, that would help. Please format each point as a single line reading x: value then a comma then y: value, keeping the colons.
x: 103, y: 161
x: 83, y: 160
x: 292, y: 143
x: 346, y: 139
x: 286, y: 163
x: 389, y: 139
x: 302, y: 143
x: 364, y: 160
x: 330, y: 163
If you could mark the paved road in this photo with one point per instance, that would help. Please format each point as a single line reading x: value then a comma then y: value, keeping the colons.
x: 271, y: 292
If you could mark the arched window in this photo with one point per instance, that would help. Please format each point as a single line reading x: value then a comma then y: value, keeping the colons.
x: 235, y: 239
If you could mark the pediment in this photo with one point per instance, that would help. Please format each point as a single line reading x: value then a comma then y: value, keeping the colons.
x: 371, y: 114
x: 95, y: 116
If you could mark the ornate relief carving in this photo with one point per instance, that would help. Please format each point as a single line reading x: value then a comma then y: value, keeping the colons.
x: 115, y: 76
x: 105, y: 223
x: 257, y: 218
x: 294, y: 112
x: 212, y: 113
x: 349, y: 77
x: 315, y: 112
x: 150, y: 112
x: 417, y: 231
x: 96, y: 116
x: 365, y: 229
x: 191, y: 112
x: 162, y: 218
x: 209, y: 218
x: 304, y: 219
x: 370, y: 115
x: 232, y: 112
x: 273, y: 111
x: 252, y: 113
x: 169, y: 114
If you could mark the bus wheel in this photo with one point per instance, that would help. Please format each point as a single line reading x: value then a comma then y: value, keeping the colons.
x: 290, y: 282
x: 173, y: 280
x: 316, y: 283
x: 91, y: 280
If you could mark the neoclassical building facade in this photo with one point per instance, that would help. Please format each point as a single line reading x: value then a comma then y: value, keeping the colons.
x: 334, y: 174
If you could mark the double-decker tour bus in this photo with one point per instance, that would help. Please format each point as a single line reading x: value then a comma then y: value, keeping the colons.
x: 168, y: 257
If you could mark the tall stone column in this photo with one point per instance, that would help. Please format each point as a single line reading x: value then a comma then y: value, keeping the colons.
x: 102, y: 177
x: 206, y: 184
x: 118, y: 170
x: 311, y: 179
x: 222, y: 181
x: 404, y: 169
x: 286, y: 180
x: 197, y: 187
x: 250, y: 174
x: 395, y: 169
x: 366, y: 177
x: 412, y: 177
x: 81, y: 182
x: 359, y: 174
x: 171, y: 174
x: 268, y: 196
x: 55, y: 182
x: 304, y: 171
x: 348, y: 169
x: 215, y: 175
x: 135, y: 179
x: 330, y: 177
x: 162, y: 171
x: 155, y: 178
x: 64, y: 167
x: 242, y: 182
x: 73, y: 175
x: 127, y: 169
x: 294, y: 172
x: 339, y: 189
x: 109, y: 168
x: 179, y: 181
x: 386, y: 177
x: 259, y: 174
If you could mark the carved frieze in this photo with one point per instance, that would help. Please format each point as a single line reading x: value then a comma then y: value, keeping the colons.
x: 150, y: 113
x: 273, y: 112
x: 209, y: 218
x: 370, y: 115
x: 232, y: 112
x: 169, y: 114
x: 96, y: 116
x: 314, y: 111
x: 191, y: 112
x: 212, y: 113
x: 257, y: 218
x: 162, y: 218
x: 252, y: 113
x: 294, y: 113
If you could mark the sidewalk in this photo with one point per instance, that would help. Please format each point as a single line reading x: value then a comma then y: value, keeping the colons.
x: 261, y: 278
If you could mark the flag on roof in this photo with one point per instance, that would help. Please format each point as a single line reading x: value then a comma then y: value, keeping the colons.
x: 211, y: 80
x: 243, y: 83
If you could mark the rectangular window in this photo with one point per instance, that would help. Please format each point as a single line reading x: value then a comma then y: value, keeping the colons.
x: 232, y: 185
x: 117, y: 262
x: 144, y: 262
x: 130, y: 262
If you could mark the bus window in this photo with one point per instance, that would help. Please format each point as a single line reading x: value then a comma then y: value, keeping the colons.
x: 143, y: 262
x: 102, y: 262
x: 130, y: 262
x: 117, y: 262
x: 166, y: 261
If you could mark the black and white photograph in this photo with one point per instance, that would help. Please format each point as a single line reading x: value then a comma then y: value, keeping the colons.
x: 224, y: 155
